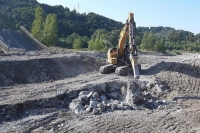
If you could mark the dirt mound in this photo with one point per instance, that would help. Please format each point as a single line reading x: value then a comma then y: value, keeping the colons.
x: 45, y: 69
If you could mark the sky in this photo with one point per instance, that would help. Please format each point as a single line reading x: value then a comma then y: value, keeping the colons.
x: 178, y: 14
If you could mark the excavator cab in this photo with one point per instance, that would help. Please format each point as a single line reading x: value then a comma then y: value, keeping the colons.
x: 112, y: 55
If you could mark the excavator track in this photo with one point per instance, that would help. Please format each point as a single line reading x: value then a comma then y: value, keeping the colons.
x: 123, y: 70
x: 119, y: 70
x: 107, y: 69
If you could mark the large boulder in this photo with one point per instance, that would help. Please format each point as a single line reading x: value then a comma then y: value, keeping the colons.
x: 133, y: 93
x: 76, y: 106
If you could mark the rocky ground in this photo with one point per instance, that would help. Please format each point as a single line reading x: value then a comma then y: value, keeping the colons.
x: 66, y: 93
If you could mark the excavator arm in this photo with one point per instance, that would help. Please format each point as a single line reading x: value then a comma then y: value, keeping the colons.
x: 133, y: 56
x: 129, y: 30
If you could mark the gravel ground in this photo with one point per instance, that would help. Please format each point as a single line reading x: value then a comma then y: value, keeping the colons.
x: 36, y: 90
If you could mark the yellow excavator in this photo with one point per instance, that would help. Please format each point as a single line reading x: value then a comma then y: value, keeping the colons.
x: 124, y: 59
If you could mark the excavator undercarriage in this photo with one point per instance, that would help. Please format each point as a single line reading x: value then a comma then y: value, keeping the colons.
x: 119, y: 70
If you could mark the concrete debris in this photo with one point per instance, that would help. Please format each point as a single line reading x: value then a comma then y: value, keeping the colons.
x: 93, y: 103
x: 103, y: 106
x: 77, y: 107
x: 112, y: 95
x: 95, y: 95
x: 127, y: 107
x: 114, y: 106
x: 158, y: 88
x: 90, y: 94
x: 99, y: 105
x: 134, y: 94
x: 95, y: 111
x: 120, y: 106
x: 88, y: 109
x: 150, y: 85
x: 123, y: 90
x: 84, y: 100
x: 84, y: 93
x: 101, y: 88
x: 131, y: 96
x: 103, y: 98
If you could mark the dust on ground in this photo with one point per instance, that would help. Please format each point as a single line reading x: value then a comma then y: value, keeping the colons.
x: 36, y: 91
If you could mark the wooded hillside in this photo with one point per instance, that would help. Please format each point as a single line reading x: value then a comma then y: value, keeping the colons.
x: 93, y: 31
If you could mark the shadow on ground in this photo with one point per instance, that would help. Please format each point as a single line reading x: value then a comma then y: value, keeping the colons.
x: 186, y: 98
x: 13, y: 112
x: 183, y: 68
x: 46, y: 69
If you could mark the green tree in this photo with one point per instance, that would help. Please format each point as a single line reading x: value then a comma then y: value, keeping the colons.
x: 159, y: 45
x: 112, y: 38
x: 144, y: 43
x: 99, y: 40
x: 78, y: 44
x: 85, y: 40
x: 50, y: 33
x: 70, y: 39
x: 148, y: 41
x: 38, y: 23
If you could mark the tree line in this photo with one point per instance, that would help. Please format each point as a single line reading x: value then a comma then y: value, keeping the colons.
x: 70, y: 29
x: 45, y: 30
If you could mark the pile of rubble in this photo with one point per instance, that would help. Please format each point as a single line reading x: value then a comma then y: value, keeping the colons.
x: 132, y: 95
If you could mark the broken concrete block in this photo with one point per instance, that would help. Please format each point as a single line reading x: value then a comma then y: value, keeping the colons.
x: 93, y: 103
x: 84, y: 93
x: 126, y: 107
x: 109, y: 89
x: 120, y: 106
x: 114, y: 106
x: 88, y: 109
x: 90, y: 94
x: 84, y: 100
x: 103, y: 106
x: 123, y: 90
x: 101, y: 88
x: 79, y: 110
x: 86, y: 106
x: 143, y: 84
x: 109, y: 105
x: 99, y: 110
x: 134, y: 93
x: 95, y: 111
x: 158, y: 88
x: 99, y: 105
x: 112, y: 95
x: 150, y: 85
x: 95, y: 95
x: 76, y: 106
x: 103, y: 98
